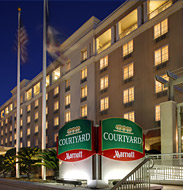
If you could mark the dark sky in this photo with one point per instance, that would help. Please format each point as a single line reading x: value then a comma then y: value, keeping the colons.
x: 65, y: 16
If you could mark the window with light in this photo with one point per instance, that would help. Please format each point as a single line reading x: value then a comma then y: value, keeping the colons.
x: 67, y: 83
x: 104, y: 104
x: 128, y: 71
x: 56, y: 74
x: 28, y: 119
x: 36, y: 115
x: 6, y: 110
x: 84, y: 54
x: 37, y: 89
x: 128, y: 48
x: 47, y: 110
x: 2, y: 114
x: 159, y: 87
x: 67, y: 99
x: 55, y: 137
x: 56, y: 105
x: 84, y: 73
x: 104, y: 62
x: 130, y: 116
x: 56, y: 121
x: 161, y: 55
x: 11, y: 107
x: 84, y: 111
x: 46, y: 124
x: 28, y: 143
x: 128, y: 95
x: 36, y: 129
x: 161, y: 28
x: 28, y: 131
x: 28, y: 108
x: 68, y: 66
x: 48, y: 80
x: 21, y: 122
x: 84, y: 91
x: 104, y: 82
x: 36, y: 103
x: 67, y: 116
x: 157, y: 113
x: 56, y: 91
x: 29, y: 94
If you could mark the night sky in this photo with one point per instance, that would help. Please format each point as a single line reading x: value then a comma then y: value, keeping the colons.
x: 65, y: 16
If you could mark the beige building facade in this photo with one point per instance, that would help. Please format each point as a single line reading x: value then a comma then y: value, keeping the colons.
x: 110, y: 72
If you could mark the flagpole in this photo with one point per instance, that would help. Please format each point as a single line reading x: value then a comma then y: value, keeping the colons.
x: 18, y: 99
x: 44, y: 90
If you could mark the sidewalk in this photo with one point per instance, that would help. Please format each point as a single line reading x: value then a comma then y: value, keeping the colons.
x: 171, y: 187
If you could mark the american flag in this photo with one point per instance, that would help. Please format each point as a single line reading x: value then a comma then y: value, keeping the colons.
x: 23, y: 40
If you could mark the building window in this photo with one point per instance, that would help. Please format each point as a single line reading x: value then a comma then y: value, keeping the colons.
x: 46, y: 110
x: 68, y: 66
x: 67, y: 83
x: 83, y: 73
x: 6, y: 121
x: 37, y: 89
x: 28, y: 108
x: 36, y: 129
x: 46, y: 124
x: 128, y: 48
x: 104, y: 104
x: 104, y: 62
x: 67, y: 116
x: 1, y: 132
x: 161, y: 55
x: 10, y: 138
x: 2, y: 114
x: 84, y: 111
x: 104, y: 82
x: 157, y: 113
x: 56, y: 74
x: 36, y: 104
x: 103, y: 41
x: 1, y: 123
x: 21, y: 111
x: 36, y: 115
x: 56, y: 121
x: 21, y: 99
x: 28, y: 119
x: 55, y: 137
x: 28, y: 131
x: 83, y: 54
x: 67, y: 99
x: 6, y: 110
x: 48, y: 80
x: 84, y: 91
x: 128, y: 95
x: 10, y: 128
x: 6, y: 140
x: 46, y: 96
x: 29, y: 94
x: 128, y: 71
x: 159, y: 87
x: 56, y: 91
x: 21, y: 122
x: 130, y: 116
x: 56, y: 105
x: 21, y: 133
x: 28, y: 143
x: 11, y: 107
x: 161, y: 28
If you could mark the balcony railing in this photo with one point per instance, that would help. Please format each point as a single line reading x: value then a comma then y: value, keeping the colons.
x: 103, y: 47
x: 128, y: 30
x: 160, y: 9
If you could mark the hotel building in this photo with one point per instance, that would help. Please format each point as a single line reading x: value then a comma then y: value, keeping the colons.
x: 110, y: 72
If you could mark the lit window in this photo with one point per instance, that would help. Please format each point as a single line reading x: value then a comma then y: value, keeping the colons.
x: 21, y: 133
x: 6, y: 110
x: 161, y: 28
x: 15, y: 125
x: 11, y: 107
x: 84, y: 54
x: 48, y: 80
x: 56, y: 121
x: 21, y: 111
x: 37, y: 89
x: 6, y: 121
x: 36, y: 142
x: 84, y: 92
x: 104, y: 104
x: 159, y: 87
x: 36, y: 103
x: 28, y: 131
x: 28, y: 119
x: 157, y: 113
x: 28, y: 108
x: 46, y: 96
x: 21, y: 144
x: 104, y: 62
x: 21, y: 99
x: 56, y: 105
x: 10, y: 138
x: 56, y: 74
x: 67, y: 83
x: 55, y: 137
x: 67, y: 99
x: 68, y: 66
x: 84, y: 73
x: 104, y: 82
x: 29, y: 94
x: 67, y: 116
x: 56, y: 91
x: 128, y: 71
x: 46, y: 110
x: 84, y: 111
x: 6, y: 140
x: 130, y: 116
x: 46, y: 124
x: 1, y: 132
x: 103, y: 41
x: 1, y: 123
x: 21, y: 122
x: 2, y: 114
x: 10, y: 128
x: 128, y: 48
x: 1, y: 141
x: 161, y: 55
x: 36, y: 115
x: 128, y: 95
x: 28, y: 143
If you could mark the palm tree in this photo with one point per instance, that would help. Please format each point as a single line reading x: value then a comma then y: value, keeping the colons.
x: 27, y: 159
x: 50, y: 160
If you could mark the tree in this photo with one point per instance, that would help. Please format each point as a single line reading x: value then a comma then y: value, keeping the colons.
x: 50, y: 160
x: 27, y: 159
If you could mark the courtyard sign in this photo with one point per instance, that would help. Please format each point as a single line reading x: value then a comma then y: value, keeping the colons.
x: 121, y: 139
x: 75, y: 141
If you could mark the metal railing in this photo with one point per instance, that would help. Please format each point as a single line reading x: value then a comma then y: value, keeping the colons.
x: 137, y: 179
x: 160, y: 9
x: 128, y: 30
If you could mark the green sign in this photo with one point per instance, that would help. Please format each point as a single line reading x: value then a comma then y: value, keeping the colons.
x: 75, y: 140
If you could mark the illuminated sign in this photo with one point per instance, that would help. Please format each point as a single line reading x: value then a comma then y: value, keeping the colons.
x: 75, y: 141
x: 121, y: 139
